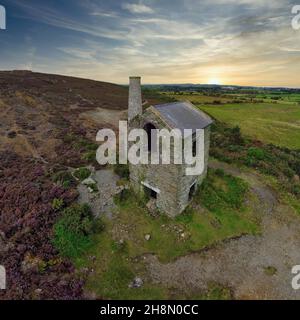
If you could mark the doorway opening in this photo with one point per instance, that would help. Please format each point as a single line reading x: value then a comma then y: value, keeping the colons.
x: 192, y: 191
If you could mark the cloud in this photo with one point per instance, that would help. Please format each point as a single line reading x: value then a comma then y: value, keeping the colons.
x: 55, y: 18
x: 241, y: 42
x: 104, y: 14
x: 137, y: 8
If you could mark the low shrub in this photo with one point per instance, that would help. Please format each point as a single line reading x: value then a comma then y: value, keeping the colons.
x: 220, y: 172
x: 234, y: 148
x: 229, y: 146
x: 63, y: 178
x: 123, y: 196
x: 73, y: 231
x: 218, y: 292
x: 57, y: 204
x: 89, y: 156
x: 225, y: 191
x: 82, y: 173
x: 93, y: 186
x: 122, y: 170
x: 296, y: 189
x: 256, y: 153
x: 296, y: 166
x: 84, y: 144
x: 270, y: 271
x: 250, y: 162
x: 236, y: 136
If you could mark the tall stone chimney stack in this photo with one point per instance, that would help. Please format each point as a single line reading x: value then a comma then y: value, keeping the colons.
x: 135, y: 98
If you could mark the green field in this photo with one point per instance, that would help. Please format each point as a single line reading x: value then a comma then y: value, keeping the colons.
x: 271, y: 123
x: 235, y: 97
x: 271, y: 117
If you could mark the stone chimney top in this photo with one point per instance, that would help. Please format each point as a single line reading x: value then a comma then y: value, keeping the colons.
x: 135, y: 98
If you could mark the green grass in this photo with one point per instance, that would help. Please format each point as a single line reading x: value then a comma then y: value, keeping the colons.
x: 82, y: 173
x: 73, y: 231
x: 225, y: 217
x: 114, y: 270
x: 285, y: 197
x: 271, y: 123
x: 216, y: 292
x: 57, y: 204
x: 64, y: 178
x: 119, y: 249
x: 270, y: 270
x: 221, y: 192
x: 198, y: 98
x: 281, y: 97
x: 292, y: 201
x: 268, y: 117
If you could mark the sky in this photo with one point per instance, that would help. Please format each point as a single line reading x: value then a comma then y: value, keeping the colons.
x: 232, y: 42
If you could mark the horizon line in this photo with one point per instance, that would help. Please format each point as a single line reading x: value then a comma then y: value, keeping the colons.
x: 156, y: 84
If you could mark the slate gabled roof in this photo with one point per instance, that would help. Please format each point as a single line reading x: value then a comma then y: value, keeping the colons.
x: 183, y: 115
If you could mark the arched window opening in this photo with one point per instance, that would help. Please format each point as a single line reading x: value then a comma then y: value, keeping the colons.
x: 148, y: 128
x: 195, y: 148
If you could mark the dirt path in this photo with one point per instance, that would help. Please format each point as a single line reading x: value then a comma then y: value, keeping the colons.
x: 104, y: 116
x: 240, y: 263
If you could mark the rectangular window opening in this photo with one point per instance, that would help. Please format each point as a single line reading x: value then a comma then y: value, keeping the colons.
x: 151, y: 194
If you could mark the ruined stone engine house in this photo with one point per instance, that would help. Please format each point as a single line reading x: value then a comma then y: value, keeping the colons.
x: 168, y: 186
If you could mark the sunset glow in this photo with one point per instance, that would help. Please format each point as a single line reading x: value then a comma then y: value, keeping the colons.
x: 214, y: 81
x: 243, y: 42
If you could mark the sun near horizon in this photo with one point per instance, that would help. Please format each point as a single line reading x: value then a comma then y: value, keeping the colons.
x: 215, y: 81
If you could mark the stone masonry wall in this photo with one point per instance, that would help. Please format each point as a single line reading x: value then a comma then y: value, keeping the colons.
x: 170, y: 179
x: 135, y: 98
